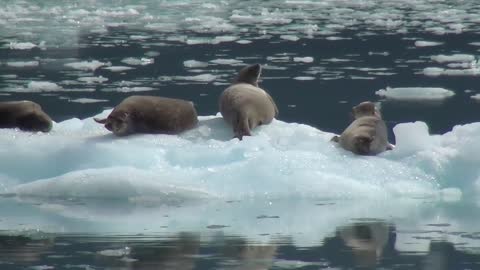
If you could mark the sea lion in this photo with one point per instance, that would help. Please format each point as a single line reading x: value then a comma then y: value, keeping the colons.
x: 244, y: 105
x: 25, y: 115
x: 367, y: 134
x: 150, y: 114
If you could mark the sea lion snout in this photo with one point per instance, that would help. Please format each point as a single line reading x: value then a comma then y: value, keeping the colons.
x: 366, y: 108
x: 362, y: 144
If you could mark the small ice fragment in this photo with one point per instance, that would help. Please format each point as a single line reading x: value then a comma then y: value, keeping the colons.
x: 86, y: 65
x: 453, y: 58
x: 22, y: 45
x: 307, y: 59
x: 138, y: 61
x: 20, y: 64
x: 194, y: 64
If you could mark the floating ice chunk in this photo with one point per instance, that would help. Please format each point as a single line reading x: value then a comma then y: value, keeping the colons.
x: 126, y: 89
x: 194, y: 64
x: 86, y: 65
x: 453, y: 58
x: 115, y: 252
x: 474, y: 43
x: 22, y: 45
x: 138, y: 61
x: 198, y: 78
x: 90, y: 80
x: 289, y: 37
x: 20, y: 64
x: 420, y: 43
x: 433, y: 71
x: 411, y: 138
x: 39, y: 86
x: 201, y: 164
x: 87, y: 100
x: 307, y: 59
x: 232, y: 62
x: 304, y: 78
x: 475, y: 97
x: 243, y: 41
x: 118, y: 68
x: 415, y: 93
x: 9, y: 76
x: 220, y: 39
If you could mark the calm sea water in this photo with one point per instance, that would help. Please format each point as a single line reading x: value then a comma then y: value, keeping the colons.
x: 320, y: 58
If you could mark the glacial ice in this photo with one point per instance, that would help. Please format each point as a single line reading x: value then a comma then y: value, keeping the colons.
x: 80, y: 159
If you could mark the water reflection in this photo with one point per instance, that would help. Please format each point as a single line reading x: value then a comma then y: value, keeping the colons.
x: 365, y: 244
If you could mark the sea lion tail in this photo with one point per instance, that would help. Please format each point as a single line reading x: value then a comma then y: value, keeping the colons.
x: 242, y: 126
x: 100, y: 121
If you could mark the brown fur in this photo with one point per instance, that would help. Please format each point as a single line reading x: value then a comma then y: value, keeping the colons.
x: 367, y: 134
x: 150, y: 114
x: 25, y: 115
x: 244, y: 105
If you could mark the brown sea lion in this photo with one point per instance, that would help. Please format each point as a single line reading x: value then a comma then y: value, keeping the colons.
x: 25, y: 115
x: 367, y: 134
x: 150, y: 114
x: 244, y: 105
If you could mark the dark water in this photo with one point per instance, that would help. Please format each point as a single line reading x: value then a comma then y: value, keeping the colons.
x: 324, y: 102
x: 345, y: 72
x: 368, y: 244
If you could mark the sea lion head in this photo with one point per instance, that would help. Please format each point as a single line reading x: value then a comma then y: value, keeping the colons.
x: 366, y: 108
x: 120, y: 123
x: 361, y: 144
x: 36, y: 120
x: 249, y: 74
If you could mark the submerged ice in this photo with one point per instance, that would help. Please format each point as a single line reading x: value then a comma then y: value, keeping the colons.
x: 80, y: 159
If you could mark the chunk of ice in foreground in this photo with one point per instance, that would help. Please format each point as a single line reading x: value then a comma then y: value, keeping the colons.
x: 80, y: 158
x: 415, y: 93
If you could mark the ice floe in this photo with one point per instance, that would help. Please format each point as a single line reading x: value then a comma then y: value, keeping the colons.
x: 415, y: 93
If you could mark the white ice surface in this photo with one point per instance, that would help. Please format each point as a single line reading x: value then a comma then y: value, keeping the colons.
x: 415, y: 93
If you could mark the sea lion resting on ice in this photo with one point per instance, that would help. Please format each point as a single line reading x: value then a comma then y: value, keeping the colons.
x: 150, y: 114
x: 25, y: 115
x: 244, y: 105
x: 367, y: 134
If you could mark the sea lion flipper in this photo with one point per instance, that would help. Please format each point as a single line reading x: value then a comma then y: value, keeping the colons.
x: 390, y: 146
x: 335, y: 138
x: 100, y: 121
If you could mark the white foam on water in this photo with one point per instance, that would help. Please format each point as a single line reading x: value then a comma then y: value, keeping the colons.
x: 20, y: 64
x: 306, y: 59
x: 415, y: 93
x: 453, y: 58
x: 138, y: 61
x: 194, y: 64
x: 421, y: 43
x: 86, y: 65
